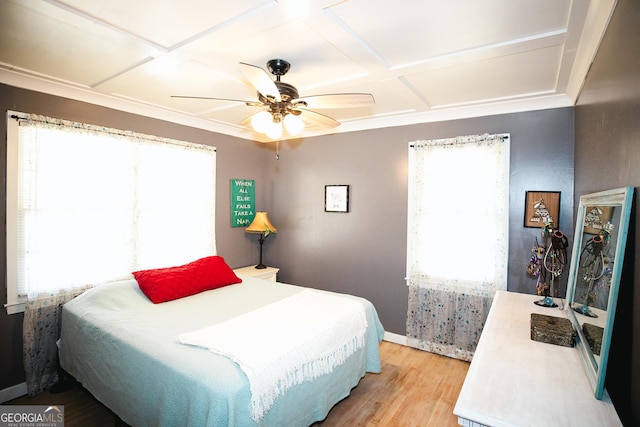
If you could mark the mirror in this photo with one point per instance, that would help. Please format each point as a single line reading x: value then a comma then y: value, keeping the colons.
x: 602, y: 224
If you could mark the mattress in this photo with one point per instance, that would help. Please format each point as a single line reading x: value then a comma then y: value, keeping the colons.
x: 123, y: 349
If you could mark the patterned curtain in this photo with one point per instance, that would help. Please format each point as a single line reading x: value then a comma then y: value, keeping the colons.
x: 40, y: 333
x: 457, y: 239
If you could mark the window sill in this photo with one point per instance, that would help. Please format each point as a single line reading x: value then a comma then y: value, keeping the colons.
x: 15, y: 308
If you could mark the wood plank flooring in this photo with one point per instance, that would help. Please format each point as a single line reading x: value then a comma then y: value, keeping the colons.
x: 81, y: 409
x: 415, y: 388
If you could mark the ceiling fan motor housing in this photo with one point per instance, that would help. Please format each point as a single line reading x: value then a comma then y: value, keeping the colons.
x: 280, y: 109
x: 278, y: 67
x: 288, y: 92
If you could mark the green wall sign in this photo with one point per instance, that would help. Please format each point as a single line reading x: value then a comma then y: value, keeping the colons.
x: 243, y: 202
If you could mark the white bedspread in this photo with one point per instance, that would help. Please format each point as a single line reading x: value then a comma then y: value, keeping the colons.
x: 123, y: 349
x: 300, y: 338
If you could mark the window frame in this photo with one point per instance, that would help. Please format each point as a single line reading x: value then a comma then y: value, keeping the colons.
x: 15, y: 303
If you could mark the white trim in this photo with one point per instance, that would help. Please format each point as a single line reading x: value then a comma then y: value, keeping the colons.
x: 13, y: 392
x: 46, y: 84
x: 395, y: 338
x: 15, y: 308
x: 21, y: 79
x: 594, y: 29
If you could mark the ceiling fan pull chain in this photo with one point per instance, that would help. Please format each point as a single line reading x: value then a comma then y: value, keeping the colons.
x: 278, y: 150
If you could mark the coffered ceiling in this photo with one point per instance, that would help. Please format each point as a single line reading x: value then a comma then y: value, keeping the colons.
x: 423, y: 60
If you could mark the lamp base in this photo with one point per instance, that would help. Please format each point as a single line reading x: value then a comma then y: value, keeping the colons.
x: 260, y: 266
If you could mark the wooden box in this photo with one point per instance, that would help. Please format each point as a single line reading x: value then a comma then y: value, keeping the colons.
x: 552, y: 330
x: 593, y: 334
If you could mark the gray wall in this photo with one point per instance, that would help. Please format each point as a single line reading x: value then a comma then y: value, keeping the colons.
x: 363, y: 252
x: 237, y: 158
x: 607, y: 155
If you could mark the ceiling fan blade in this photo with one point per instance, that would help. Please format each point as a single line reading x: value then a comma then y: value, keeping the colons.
x: 249, y: 103
x: 337, y: 100
x: 260, y: 79
x: 315, y: 118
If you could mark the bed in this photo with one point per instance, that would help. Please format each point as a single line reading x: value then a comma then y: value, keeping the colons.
x: 136, y: 356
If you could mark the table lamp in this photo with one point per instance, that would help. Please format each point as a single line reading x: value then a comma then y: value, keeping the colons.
x: 262, y: 226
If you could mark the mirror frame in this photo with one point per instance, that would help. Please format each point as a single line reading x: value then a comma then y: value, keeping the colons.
x: 620, y: 197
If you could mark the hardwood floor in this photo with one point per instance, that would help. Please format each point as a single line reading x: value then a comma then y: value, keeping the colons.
x: 81, y: 409
x: 415, y: 388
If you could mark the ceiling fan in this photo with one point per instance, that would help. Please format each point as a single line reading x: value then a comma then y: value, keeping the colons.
x: 281, y: 105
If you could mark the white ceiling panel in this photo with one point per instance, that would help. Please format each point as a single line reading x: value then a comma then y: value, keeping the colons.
x: 48, y: 40
x: 165, y: 23
x: 436, y: 28
x: 421, y: 60
x: 308, y: 52
x: 393, y: 97
x: 490, y: 79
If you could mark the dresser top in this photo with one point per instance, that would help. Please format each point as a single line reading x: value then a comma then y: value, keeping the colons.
x: 515, y: 381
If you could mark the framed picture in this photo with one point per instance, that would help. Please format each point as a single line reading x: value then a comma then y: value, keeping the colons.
x: 336, y: 198
x: 540, y: 205
x: 596, y: 217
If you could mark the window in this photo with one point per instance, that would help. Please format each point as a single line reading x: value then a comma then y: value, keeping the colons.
x: 87, y: 204
x: 457, y: 239
x: 459, y: 212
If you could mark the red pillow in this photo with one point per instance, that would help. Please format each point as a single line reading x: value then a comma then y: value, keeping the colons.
x: 166, y: 284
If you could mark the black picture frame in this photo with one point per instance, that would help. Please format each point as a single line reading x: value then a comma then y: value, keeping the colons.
x: 336, y: 198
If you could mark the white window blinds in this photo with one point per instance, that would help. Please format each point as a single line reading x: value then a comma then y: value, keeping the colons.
x: 88, y: 204
x: 458, y: 222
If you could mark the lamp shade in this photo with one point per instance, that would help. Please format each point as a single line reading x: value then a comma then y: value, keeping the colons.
x: 274, y: 131
x: 294, y: 124
x: 260, y: 224
x: 262, y: 121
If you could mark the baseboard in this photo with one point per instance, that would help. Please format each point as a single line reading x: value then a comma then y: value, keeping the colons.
x: 395, y: 338
x: 13, y: 392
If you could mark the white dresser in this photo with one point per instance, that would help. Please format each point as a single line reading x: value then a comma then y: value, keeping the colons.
x: 269, y: 273
x: 515, y: 381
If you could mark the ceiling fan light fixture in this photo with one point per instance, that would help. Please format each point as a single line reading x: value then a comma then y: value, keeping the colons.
x: 275, y: 130
x: 293, y: 124
x: 262, y: 121
x: 282, y: 108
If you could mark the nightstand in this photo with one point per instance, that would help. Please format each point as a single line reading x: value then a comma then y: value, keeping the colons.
x: 268, y: 273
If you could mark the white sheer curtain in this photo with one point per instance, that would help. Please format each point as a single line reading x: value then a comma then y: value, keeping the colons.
x: 458, y: 217
x: 92, y: 205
